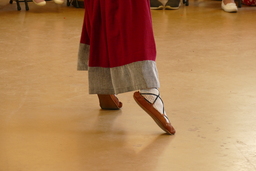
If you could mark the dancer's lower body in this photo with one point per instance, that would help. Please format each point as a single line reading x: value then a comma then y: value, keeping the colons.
x: 121, y: 57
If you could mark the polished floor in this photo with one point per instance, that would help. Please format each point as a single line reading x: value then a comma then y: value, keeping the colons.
x: 207, y: 66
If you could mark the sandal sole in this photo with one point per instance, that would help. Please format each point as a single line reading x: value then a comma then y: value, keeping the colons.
x: 155, y: 115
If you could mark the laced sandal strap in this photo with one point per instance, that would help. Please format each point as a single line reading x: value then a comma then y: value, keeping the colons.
x: 157, y: 97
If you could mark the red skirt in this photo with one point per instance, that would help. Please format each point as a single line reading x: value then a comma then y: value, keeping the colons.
x: 119, y: 32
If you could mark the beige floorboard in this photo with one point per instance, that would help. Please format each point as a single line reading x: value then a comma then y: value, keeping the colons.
x: 207, y: 65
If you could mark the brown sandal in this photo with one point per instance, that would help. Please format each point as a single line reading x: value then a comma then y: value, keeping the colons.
x: 161, y: 119
x: 109, y: 102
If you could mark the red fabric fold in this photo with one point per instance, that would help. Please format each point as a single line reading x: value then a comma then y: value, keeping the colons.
x: 119, y: 32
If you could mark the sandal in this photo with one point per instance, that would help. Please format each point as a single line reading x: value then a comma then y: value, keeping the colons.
x: 109, y: 102
x: 161, y: 119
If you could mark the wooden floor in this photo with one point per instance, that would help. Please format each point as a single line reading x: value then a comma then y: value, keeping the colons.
x: 207, y: 67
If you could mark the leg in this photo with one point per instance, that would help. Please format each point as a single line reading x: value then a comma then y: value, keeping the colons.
x: 26, y: 5
x: 18, y: 5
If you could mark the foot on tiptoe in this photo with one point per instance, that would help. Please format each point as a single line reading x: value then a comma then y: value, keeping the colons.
x: 150, y: 101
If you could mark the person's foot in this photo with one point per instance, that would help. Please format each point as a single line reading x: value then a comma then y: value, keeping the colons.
x: 155, y: 4
x: 151, y: 102
x: 109, y: 102
x: 172, y: 4
x: 229, y: 6
x: 39, y: 2
x: 58, y: 1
